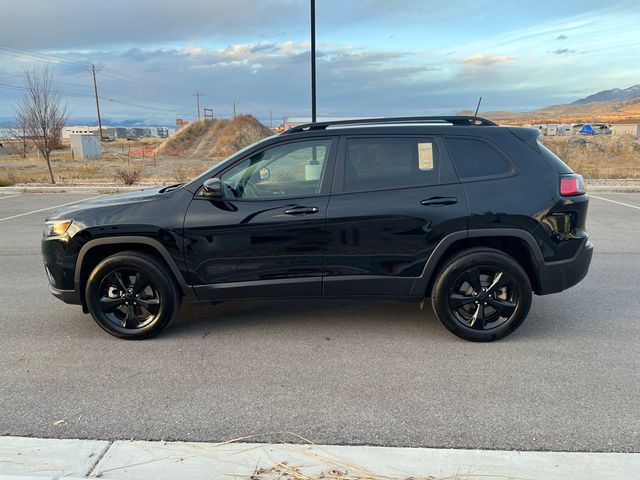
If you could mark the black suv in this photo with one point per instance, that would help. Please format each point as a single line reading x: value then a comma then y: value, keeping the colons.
x: 473, y: 215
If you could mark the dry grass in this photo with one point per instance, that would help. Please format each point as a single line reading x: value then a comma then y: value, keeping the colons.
x: 122, y: 155
x: 593, y: 157
x: 599, y: 156
x: 126, y: 176
x: 310, y: 461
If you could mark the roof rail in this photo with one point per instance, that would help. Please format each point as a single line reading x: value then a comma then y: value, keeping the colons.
x: 453, y: 120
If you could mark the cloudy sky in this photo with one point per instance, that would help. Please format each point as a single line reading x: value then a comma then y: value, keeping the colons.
x: 375, y: 57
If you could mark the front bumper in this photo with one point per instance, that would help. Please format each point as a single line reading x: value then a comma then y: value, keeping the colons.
x: 67, y: 296
x: 555, y: 277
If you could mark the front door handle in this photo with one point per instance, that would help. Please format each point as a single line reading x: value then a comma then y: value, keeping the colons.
x: 301, y: 210
x: 439, y: 201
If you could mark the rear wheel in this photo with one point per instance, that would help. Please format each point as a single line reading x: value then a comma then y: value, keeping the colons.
x: 482, y: 295
x: 132, y: 295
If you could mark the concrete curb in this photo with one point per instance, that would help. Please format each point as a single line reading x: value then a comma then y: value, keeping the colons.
x: 76, y: 188
x: 613, y: 188
x: 35, y: 458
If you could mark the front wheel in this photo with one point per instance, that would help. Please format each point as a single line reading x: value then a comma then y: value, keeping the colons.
x: 482, y: 295
x: 132, y: 295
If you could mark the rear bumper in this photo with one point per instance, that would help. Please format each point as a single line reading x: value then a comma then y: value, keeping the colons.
x: 555, y: 277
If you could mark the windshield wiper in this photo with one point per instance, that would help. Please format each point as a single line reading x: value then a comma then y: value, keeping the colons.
x: 168, y: 188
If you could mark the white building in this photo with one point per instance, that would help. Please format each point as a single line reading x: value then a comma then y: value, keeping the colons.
x: 80, y: 130
x: 626, y: 129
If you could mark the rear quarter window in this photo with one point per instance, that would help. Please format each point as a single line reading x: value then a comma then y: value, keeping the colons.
x: 474, y: 158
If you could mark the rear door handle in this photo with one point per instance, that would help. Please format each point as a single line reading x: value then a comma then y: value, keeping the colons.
x: 301, y: 210
x: 439, y: 201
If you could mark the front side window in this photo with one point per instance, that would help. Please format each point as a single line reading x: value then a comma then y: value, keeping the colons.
x: 293, y: 169
x: 379, y: 163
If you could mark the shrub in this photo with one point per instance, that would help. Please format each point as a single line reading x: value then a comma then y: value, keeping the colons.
x: 6, y: 182
x: 128, y: 177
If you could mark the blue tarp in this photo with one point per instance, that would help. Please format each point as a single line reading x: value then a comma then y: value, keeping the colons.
x: 587, y: 130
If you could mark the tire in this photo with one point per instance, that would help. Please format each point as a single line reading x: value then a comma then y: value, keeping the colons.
x: 132, y: 295
x: 481, y: 295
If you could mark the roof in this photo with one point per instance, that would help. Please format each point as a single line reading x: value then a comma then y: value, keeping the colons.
x: 467, y: 121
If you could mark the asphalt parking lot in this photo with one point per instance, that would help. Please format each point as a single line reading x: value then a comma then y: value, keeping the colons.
x: 356, y: 372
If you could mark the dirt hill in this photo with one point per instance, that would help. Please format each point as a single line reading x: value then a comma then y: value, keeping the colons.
x: 214, y: 138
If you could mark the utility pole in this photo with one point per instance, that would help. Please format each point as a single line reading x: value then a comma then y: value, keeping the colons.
x: 271, y: 119
x: 95, y: 89
x: 198, y: 95
x: 313, y: 61
x: 234, y: 109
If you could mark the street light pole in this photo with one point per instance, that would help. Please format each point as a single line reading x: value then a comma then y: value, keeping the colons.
x: 313, y: 60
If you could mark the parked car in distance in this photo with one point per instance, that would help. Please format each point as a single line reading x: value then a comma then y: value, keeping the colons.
x: 472, y: 215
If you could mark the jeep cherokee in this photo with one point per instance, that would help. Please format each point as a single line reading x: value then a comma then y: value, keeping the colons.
x: 473, y: 215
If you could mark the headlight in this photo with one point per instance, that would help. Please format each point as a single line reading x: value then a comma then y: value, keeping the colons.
x: 56, y: 228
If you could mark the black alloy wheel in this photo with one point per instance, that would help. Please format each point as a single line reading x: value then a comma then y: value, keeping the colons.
x: 129, y: 299
x: 483, y: 297
x: 132, y: 295
x: 481, y: 294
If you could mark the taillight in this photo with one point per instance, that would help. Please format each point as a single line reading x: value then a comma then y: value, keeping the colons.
x: 572, y: 185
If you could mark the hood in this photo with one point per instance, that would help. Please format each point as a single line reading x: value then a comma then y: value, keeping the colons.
x: 113, y: 200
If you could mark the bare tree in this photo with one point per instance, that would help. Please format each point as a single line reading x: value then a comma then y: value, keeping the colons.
x: 40, y: 113
x: 19, y: 135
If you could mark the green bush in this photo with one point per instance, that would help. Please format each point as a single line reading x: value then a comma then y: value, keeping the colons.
x: 6, y: 182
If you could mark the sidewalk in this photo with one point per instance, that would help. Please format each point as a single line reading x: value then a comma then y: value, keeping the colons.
x: 34, y: 458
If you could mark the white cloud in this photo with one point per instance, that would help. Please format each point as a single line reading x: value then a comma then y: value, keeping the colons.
x: 483, y: 60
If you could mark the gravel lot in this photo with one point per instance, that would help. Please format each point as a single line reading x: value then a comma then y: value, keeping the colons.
x: 337, y: 372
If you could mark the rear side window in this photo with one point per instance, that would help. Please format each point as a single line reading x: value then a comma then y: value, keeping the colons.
x: 379, y: 163
x: 475, y: 158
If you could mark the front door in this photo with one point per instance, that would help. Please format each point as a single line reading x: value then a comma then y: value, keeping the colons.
x: 394, y: 199
x: 266, y: 237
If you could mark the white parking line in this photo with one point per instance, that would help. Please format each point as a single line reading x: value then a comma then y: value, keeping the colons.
x: 613, y: 201
x: 4, y: 195
x: 48, y: 208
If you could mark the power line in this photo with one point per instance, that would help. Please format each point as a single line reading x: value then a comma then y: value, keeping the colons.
x: 23, y: 89
x: 107, y: 99
x: 19, y: 52
x: 144, y: 82
x: 48, y: 58
x: 125, y: 77
x: 102, y: 89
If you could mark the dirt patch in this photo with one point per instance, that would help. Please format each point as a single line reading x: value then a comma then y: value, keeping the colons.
x: 215, y: 138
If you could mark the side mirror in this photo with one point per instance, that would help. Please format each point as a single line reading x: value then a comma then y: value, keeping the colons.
x: 212, y: 188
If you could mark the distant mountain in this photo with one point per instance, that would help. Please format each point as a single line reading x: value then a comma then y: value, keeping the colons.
x: 613, y: 95
x: 616, y: 105
x: 112, y: 122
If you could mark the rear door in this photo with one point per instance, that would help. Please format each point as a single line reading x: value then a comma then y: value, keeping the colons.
x: 394, y: 198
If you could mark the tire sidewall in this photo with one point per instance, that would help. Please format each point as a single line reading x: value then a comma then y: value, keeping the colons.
x: 489, y: 258
x: 158, y: 277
